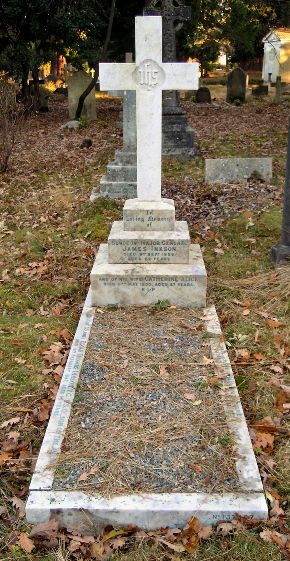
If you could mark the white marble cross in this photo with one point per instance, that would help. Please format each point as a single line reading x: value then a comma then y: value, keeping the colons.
x: 149, y: 76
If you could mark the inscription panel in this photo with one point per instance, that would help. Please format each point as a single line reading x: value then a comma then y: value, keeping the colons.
x: 148, y: 251
x: 153, y: 220
x: 184, y: 290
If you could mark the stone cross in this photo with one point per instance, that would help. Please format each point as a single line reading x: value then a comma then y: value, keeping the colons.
x: 170, y: 14
x: 148, y: 76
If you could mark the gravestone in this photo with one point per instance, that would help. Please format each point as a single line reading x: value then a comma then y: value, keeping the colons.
x: 148, y: 260
x: 260, y: 90
x: 76, y: 86
x: 177, y: 136
x: 227, y: 170
x: 120, y: 181
x: 281, y: 251
x: 203, y: 95
x: 44, y: 95
x: 236, y: 86
x: 169, y: 268
x: 278, y: 93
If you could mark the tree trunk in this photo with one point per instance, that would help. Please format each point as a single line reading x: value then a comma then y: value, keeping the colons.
x: 102, y: 56
x: 25, y: 90
x: 35, y: 76
x: 53, y: 65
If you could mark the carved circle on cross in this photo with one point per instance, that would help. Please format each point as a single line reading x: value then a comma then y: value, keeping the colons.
x: 149, y: 75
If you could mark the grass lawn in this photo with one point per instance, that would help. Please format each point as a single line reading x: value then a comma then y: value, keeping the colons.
x: 49, y: 236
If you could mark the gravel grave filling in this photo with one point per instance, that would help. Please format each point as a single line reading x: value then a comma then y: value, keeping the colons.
x: 148, y: 414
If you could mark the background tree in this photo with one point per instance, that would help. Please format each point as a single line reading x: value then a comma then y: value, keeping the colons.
x: 238, y: 23
x: 32, y: 31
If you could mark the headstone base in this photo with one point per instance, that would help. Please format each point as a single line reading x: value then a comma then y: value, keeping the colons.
x: 120, y: 181
x: 145, y: 284
x: 280, y: 253
x: 177, y: 137
x: 148, y: 246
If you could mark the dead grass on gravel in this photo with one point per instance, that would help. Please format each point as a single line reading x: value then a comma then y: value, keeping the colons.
x: 150, y: 407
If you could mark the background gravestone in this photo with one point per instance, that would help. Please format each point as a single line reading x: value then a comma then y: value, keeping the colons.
x: 177, y: 135
x: 236, y: 85
x: 203, y: 95
x: 120, y: 181
x: 76, y: 86
x: 260, y: 90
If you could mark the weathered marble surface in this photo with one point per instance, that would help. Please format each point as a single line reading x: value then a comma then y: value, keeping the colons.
x: 149, y: 246
x: 225, y: 170
x: 149, y: 76
x: 90, y: 514
x: 149, y: 215
x: 145, y: 284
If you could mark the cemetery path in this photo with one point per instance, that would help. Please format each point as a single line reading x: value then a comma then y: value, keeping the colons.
x: 49, y: 234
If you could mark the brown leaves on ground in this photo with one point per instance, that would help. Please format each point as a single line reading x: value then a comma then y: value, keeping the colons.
x: 172, y: 540
x: 18, y: 448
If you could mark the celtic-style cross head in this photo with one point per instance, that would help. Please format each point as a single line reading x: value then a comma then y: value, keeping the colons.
x: 171, y: 9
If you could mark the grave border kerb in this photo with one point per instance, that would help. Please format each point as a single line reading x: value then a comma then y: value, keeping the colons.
x: 43, y: 501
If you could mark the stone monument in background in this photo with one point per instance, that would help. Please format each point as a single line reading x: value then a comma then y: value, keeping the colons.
x: 177, y: 135
x: 236, y: 86
x: 76, y: 86
x: 120, y: 181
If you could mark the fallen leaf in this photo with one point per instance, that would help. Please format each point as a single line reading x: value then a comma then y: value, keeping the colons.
x: 19, y: 505
x: 25, y: 543
x: 113, y: 534
x: 246, y: 312
x: 243, y: 354
x: 259, y: 356
x: 17, y: 342
x: 224, y: 528
x: 191, y: 396
x: 273, y: 536
x: 276, y: 368
x: 276, y: 510
x: 74, y: 546
x: 10, y: 422
x: 195, y: 467
x: 45, y: 529
x: 205, y: 360
x: 282, y: 397
x: 163, y: 371
x: 97, y: 551
x: 20, y: 360
x: 177, y: 547
x: 117, y: 543
x: 264, y: 440
x: 274, y: 323
x: 187, y: 325
x: 84, y: 476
